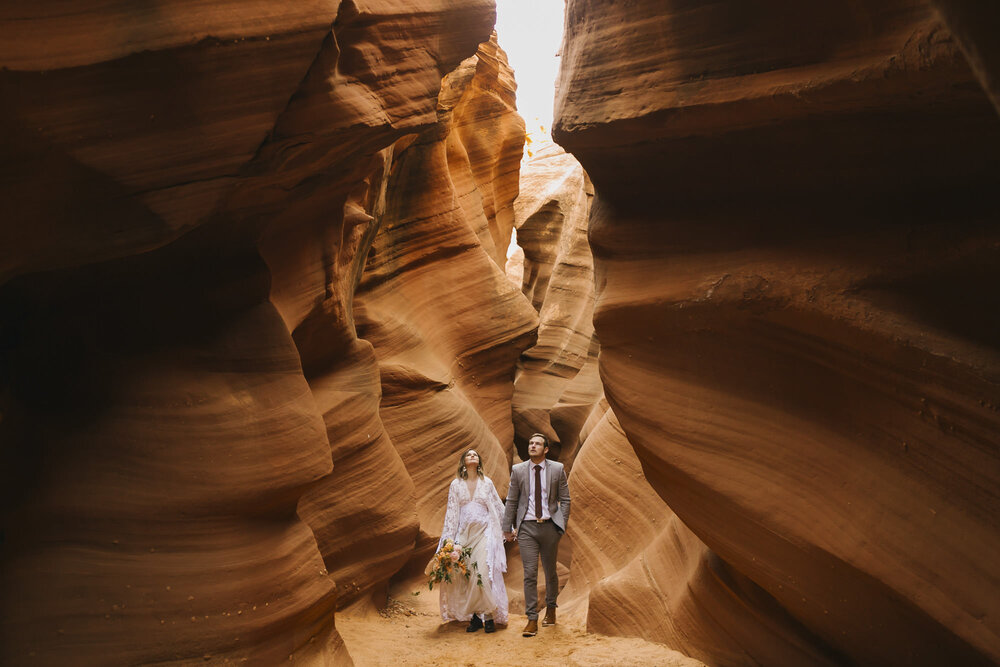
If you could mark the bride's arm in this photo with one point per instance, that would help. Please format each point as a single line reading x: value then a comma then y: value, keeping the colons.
x: 495, y: 499
x: 498, y: 555
x: 450, y: 528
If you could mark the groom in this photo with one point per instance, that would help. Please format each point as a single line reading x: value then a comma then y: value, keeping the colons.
x: 536, y: 513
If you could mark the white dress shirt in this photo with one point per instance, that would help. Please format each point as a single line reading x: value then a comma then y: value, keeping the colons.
x: 531, y: 491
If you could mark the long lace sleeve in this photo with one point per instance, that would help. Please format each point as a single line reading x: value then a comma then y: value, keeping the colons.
x: 497, y: 553
x: 450, y: 528
x: 499, y: 504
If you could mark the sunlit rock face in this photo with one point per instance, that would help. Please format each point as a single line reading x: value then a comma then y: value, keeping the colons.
x: 190, y: 196
x: 485, y: 142
x: 795, y: 250
x: 446, y: 325
x: 557, y: 383
x: 348, y: 197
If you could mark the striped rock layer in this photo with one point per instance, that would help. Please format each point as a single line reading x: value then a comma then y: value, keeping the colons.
x: 795, y: 248
x: 202, y: 457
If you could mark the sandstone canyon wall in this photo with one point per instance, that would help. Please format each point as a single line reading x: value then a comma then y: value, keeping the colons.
x: 446, y: 325
x: 796, y: 247
x: 252, y: 308
x: 193, y: 195
x: 641, y: 572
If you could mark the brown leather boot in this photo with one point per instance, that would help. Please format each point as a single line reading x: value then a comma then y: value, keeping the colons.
x: 550, y: 616
x: 531, y: 629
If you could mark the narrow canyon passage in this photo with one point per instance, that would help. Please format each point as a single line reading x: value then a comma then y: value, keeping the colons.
x: 256, y: 298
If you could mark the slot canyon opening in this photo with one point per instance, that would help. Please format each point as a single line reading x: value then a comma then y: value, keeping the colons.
x: 530, y: 35
x: 267, y: 270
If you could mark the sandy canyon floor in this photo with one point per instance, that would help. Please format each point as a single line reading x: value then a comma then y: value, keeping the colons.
x: 410, y: 632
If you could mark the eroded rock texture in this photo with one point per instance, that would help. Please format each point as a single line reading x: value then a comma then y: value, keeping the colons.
x: 973, y: 24
x: 153, y: 460
x: 795, y: 249
x: 446, y: 325
x: 190, y: 196
x: 413, y: 232
x: 630, y: 552
x: 557, y: 384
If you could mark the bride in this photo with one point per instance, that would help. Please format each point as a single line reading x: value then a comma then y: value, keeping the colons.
x: 473, y: 520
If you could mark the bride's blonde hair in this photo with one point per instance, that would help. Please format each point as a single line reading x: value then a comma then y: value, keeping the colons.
x: 463, y: 473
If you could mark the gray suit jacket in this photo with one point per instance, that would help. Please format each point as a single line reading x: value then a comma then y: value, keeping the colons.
x: 517, y: 495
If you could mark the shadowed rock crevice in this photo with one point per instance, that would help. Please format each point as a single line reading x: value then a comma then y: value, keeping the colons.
x: 124, y: 516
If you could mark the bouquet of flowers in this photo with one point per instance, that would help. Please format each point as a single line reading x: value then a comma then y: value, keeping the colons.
x: 449, y: 563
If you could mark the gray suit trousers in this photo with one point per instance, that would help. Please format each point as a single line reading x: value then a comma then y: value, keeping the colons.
x: 538, y: 540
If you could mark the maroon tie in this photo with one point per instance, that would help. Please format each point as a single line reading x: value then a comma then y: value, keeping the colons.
x: 538, y: 492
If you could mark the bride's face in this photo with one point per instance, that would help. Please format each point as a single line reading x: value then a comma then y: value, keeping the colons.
x: 472, y: 460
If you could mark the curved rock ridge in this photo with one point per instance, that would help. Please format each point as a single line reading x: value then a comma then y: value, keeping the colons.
x: 323, y: 272
x: 973, y: 24
x: 490, y: 133
x: 113, y: 113
x: 157, y: 435
x: 162, y: 432
x: 332, y: 198
x: 645, y: 574
x: 557, y: 384
x: 845, y: 83
x: 792, y: 242
x: 446, y: 325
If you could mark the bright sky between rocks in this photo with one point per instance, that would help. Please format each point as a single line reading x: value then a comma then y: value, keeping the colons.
x: 530, y: 31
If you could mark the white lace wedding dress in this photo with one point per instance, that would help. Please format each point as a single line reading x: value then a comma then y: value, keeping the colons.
x: 474, y: 521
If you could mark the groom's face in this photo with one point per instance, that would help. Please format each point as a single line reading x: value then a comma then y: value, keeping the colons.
x: 536, y: 447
